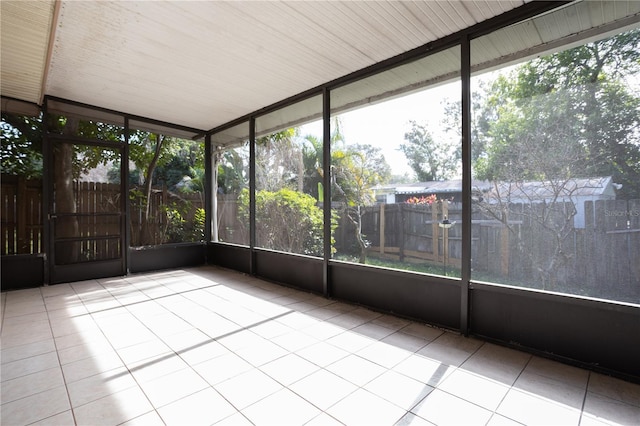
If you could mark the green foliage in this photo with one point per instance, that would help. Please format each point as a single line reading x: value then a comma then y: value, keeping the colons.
x: 198, y: 224
x: 287, y: 220
x: 430, y: 160
x: 21, y: 150
x: 279, y: 161
x: 566, y: 115
x: 21, y: 147
x: 174, y: 231
x: 312, y: 160
x: 176, y: 165
x: 426, y: 267
x: 571, y: 114
x: 356, y: 169
x: 178, y: 229
x: 233, y: 170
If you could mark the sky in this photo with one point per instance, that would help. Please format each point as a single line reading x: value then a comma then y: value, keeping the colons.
x: 385, y: 124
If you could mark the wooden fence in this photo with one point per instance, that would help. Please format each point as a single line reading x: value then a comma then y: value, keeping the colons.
x: 601, y: 258
x: 100, y: 232
x: 22, y: 222
x: 172, y: 218
x: 412, y: 233
x: 230, y: 229
x: 21, y: 215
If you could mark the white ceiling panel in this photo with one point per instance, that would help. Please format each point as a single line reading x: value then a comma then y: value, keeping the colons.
x: 25, y: 28
x: 204, y: 63
x: 570, y: 25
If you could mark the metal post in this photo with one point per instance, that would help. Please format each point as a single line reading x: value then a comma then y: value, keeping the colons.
x: 326, y: 182
x: 214, y: 194
x: 47, y: 178
x: 124, y: 173
x: 466, y: 184
x: 208, y: 188
x: 252, y: 195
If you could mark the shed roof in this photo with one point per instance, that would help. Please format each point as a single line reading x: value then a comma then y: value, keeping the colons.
x: 529, y: 191
x: 545, y: 190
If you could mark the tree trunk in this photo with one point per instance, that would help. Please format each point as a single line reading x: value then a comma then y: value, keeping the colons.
x: 300, y: 171
x: 357, y: 221
x: 146, y: 236
x: 64, y: 197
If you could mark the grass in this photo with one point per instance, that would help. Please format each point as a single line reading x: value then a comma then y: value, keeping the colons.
x: 425, y: 267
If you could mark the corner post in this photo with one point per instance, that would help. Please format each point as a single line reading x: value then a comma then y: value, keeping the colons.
x: 326, y: 188
x: 466, y: 183
x: 252, y: 195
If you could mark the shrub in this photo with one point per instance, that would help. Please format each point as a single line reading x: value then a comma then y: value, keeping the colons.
x: 287, y: 220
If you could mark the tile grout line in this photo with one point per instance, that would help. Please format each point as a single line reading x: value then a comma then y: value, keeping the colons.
x: 4, y: 308
x: 90, y: 314
x: 458, y: 368
x: 510, y: 389
x: 174, y: 352
x: 584, y: 399
x: 55, y: 345
x: 155, y: 409
x: 215, y: 339
x: 179, y: 351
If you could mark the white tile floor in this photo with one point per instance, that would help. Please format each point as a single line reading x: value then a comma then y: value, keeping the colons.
x: 211, y: 346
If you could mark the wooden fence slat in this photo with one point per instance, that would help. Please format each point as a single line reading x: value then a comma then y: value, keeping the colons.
x: 8, y: 219
x: 21, y: 216
x: 382, y: 227
x: 590, y: 260
x: 434, y: 232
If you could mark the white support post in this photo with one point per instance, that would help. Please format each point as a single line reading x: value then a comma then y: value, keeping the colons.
x: 215, y: 153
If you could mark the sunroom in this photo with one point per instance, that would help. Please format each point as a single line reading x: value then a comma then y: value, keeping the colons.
x: 164, y: 137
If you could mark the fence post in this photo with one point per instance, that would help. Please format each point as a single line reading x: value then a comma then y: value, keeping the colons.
x: 401, y: 233
x: 21, y: 216
x: 382, y: 225
x: 504, y: 246
x: 445, y: 232
x: 434, y: 231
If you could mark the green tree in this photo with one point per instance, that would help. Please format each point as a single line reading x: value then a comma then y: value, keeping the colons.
x: 157, y: 159
x: 452, y: 121
x: 21, y: 147
x: 312, y: 147
x: 21, y: 153
x: 281, y: 209
x: 553, y: 120
x: 233, y: 170
x: 279, y: 161
x: 578, y: 108
x: 163, y: 160
x: 429, y: 159
x: 312, y: 151
x: 355, y: 170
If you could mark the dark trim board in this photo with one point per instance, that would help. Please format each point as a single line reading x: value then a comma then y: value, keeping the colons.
x: 86, y: 271
x: 302, y: 272
x: 597, y: 335
x: 594, y: 334
x: 425, y: 298
x: 22, y: 271
x: 166, y: 256
x: 229, y: 256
